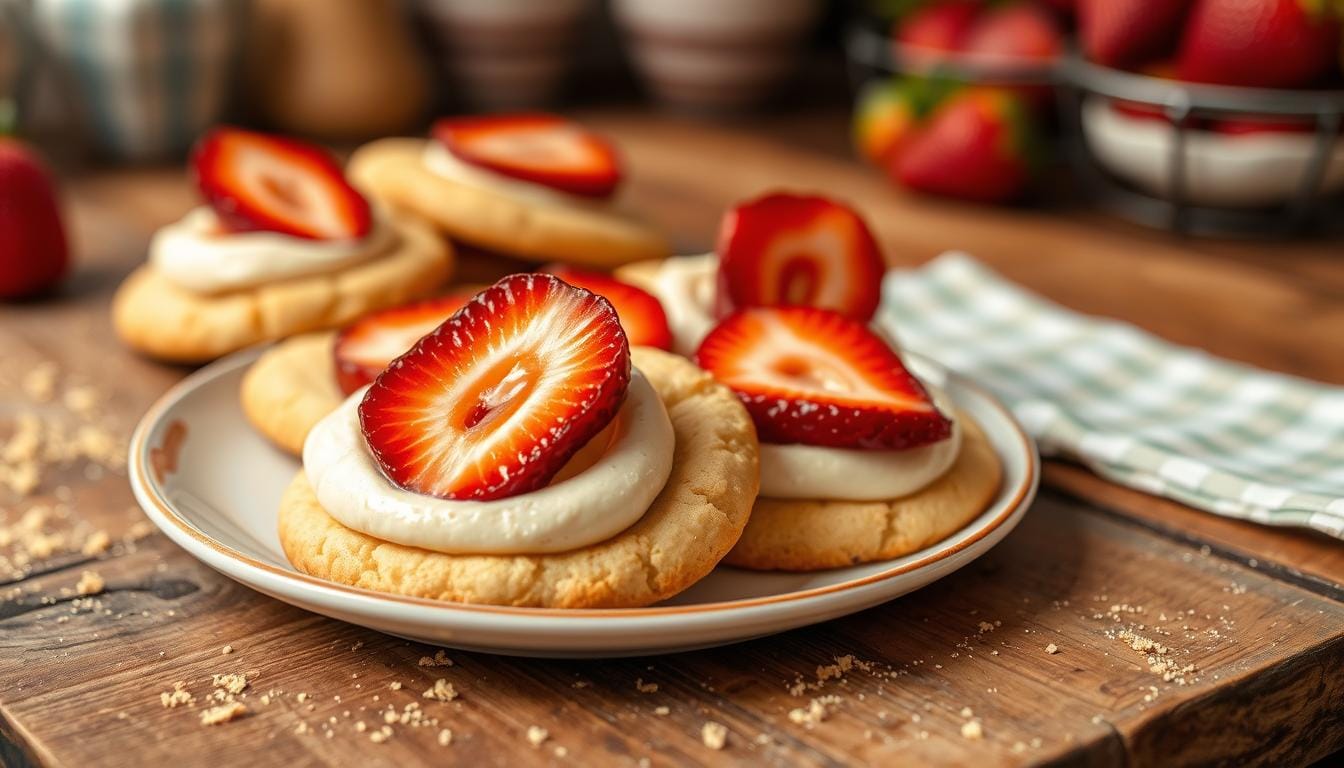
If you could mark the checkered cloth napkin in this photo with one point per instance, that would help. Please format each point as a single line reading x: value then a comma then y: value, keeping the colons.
x: 1163, y: 419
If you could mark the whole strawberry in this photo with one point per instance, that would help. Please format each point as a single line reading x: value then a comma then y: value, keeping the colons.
x: 33, y: 255
x: 1128, y: 33
x: 887, y: 112
x: 977, y: 145
x: 1259, y: 43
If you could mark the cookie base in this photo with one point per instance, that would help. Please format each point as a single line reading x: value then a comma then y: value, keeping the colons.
x: 804, y: 535
x: 290, y: 388
x: 690, y: 526
x: 394, y: 170
x: 156, y: 317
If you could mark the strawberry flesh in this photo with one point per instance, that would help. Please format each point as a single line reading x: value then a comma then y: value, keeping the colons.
x: 816, y: 377
x: 259, y: 182
x: 365, y: 347
x: 539, y: 148
x: 798, y: 250
x: 641, y: 313
x: 498, y: 398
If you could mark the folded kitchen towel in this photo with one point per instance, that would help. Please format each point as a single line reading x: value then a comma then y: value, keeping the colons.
x: 1164, y: 419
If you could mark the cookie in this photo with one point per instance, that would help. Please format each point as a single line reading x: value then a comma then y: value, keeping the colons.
x: 685, y: 532
x: 393, y: 170
x: 160, y: 319
x: 642, y: 274
x: 290, y: 388
x: 800, y: 535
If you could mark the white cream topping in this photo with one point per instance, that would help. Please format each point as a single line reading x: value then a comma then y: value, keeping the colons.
x: 198, y: 254
x: 441, y: 162
x: 685, y: 286
x: 798, y: 471
x: 584, y: 508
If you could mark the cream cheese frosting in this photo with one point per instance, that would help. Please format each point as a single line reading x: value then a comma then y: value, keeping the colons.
x: 580, y: 508
x: 198, y: 254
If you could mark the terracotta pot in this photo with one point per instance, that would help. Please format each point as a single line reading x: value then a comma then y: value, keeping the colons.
x: 712, y: 54
x: 505, y: 54
x: 335, y: 70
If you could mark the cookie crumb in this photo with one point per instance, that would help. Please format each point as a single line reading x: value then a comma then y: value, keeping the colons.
x: 439, y: 659
x: 536, y: 735
x: 96, y: 544
x: 662, y: 711
x: 179, y: 696
x: 561, y: 752
x: 1052, y: 648
x: 967, y: 712
x: 714, y: 735
x: 445, y: 737
x: 90, y: 583
x: 442, y: 691
x: 223, y: 713
x: 972, y: 730
x: 232, y: 683
x: 644, y: 687
x: 226, y: 650
x: 394, y: 685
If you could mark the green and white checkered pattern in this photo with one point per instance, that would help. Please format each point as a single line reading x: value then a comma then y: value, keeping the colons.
x: 1167, y: 420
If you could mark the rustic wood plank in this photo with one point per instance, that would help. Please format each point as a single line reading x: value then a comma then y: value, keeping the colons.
x: 72, y: 669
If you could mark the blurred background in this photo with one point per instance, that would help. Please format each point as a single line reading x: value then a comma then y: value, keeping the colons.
x: 1218, y: 117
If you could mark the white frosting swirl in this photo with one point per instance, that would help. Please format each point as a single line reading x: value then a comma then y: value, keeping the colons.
x: 198, y: 254
x: 576, y: 510
x: 797, y: 471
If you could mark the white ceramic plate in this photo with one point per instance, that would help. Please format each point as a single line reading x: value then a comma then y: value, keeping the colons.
x: 213, y: 485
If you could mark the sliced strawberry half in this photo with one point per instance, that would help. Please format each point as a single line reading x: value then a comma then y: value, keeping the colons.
x: 540, y: 148
x: 817, y: 377
x: 365, y: 347
x: 496, y: 400
x: 256, y: 181
x: 798, y: 250
x: 641, y: 313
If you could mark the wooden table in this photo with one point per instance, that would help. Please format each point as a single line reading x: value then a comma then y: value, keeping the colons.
x: 1257, y: 612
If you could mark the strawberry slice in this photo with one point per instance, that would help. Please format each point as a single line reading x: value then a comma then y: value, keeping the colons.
x: 540, y: 148
x: 785, y: 250
x: 365, y: 347
x: 256, y: 181
x: 641, y: 313
x: 817, y: 377
x: 493, y: 402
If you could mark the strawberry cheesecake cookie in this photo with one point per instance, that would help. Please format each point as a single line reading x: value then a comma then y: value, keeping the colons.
x: 299, y: 380
x: 532, y: 186
x: 860, y: 461
x: 522, y: 454
x: 284, y: 245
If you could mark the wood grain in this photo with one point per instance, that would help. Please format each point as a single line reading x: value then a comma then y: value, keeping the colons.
x: 1257, y: 611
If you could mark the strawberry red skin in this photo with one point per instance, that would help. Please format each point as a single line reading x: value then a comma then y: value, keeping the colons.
x: 33, y: 250
x: 351, y: 373
x: 752, y: 229
x: 1258, y: 43
x: 937, y: 26
x: 815, y: 418
x: 599, y: 179
x: 1250, y: 126
x: 642, y: 315
x: 1128, y: 33
x: 410, y: 390
x: 975, y: 146
x: 211, y: 165
x: 1015, y: 32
